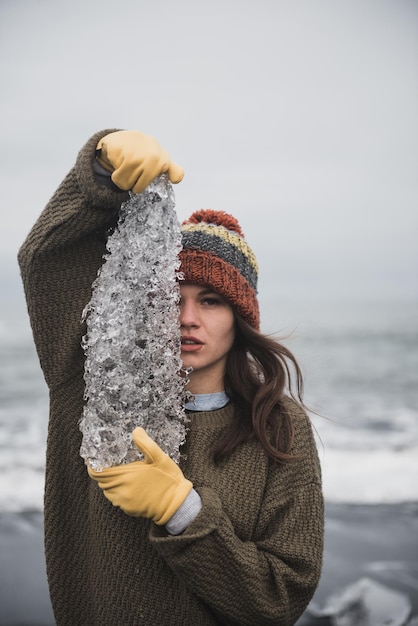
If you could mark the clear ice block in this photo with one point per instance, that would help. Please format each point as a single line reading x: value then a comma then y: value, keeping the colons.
x: 132, y: 344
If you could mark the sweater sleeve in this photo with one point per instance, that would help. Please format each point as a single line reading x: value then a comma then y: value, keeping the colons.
x: 59, y: 261
x: 271, y: 578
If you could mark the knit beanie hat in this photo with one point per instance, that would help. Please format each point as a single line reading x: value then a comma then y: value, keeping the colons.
x: 215, y: 253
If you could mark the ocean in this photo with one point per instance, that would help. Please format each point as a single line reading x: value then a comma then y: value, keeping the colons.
x: 360, y: 361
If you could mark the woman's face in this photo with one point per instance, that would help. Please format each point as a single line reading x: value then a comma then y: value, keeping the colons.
x: 207, y: 333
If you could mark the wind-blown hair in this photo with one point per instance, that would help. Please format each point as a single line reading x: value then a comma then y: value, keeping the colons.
x: 257, y: 378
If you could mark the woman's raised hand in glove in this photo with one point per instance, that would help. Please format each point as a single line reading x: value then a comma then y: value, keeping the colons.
x: 135, y: 159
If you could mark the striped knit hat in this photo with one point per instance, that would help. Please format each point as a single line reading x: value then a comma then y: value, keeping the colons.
x: 216, y: 254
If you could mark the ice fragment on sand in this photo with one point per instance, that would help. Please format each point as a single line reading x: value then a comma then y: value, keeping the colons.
x: 365, y: 603
x: 132, y: 344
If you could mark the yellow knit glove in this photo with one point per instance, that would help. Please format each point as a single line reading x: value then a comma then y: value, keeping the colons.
x: 154, y: 488
x: 135, y: 160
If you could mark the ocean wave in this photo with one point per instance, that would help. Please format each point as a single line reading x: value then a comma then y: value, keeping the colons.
x: 349, y: 476
x: 370, y: 476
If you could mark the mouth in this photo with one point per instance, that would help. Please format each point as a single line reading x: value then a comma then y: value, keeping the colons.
x: 190, y: 344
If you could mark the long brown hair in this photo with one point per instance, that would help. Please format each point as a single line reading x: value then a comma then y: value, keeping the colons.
x: 258, y: 374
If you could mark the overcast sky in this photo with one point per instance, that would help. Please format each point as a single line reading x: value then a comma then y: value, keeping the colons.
x: 300, y: 117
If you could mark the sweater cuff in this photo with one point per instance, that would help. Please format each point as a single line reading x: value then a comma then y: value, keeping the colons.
x: 185, y: 514
x: 96, y: 194
x: 103, y: 176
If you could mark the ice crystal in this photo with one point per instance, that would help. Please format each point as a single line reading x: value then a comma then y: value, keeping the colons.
x: 132, y: 344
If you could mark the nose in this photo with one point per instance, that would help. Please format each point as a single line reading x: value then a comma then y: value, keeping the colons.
x: 188, y: 316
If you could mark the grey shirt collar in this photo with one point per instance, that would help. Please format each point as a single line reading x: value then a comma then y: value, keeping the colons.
x: 207, y: 401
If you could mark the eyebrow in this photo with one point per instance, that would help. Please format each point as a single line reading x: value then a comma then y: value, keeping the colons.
x: 207, y: 290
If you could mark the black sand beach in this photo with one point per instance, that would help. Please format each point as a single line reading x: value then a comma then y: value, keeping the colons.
x: 379, y: 542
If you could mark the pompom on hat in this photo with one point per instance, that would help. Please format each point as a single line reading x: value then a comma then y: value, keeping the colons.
x: 215, y: 253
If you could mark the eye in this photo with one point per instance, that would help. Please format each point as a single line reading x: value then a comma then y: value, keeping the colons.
x: 211, y: 301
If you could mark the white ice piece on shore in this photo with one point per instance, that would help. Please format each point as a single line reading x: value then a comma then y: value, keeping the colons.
x: 365, y: 602
x: 132, y: 344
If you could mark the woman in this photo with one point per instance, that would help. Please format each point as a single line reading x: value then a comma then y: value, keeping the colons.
x: 234, y: 535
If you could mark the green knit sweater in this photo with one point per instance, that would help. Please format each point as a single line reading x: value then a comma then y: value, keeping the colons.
x: 252, y: 556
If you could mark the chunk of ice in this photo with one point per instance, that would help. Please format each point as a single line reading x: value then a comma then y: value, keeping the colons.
x: 365, y: 602
x: 132, y: 345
